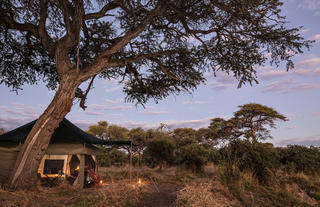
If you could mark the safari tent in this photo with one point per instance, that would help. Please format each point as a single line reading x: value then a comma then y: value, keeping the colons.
x: 71, y: 153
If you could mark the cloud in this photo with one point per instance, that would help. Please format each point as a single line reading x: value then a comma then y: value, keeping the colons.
x: 307, y: 141
x: 10, y: 123
x: 188, y: 123
x: 271, y: 74
x: 116, y: 101
x: 310, y: 62
x: 316, y: 114
x: 97, y: 107
x: 303, y: 72
x: 113, y: 89
x: 312, y: 5
x: 302, y: 87
x: 279, y: 86
x: 92, y: 113
x: 193, y: 102
x: 100, y: 107
x: 289, y: 86
x: 154, y: 112
x: 316, y: 37
x: 220, y: 86
x: 291, y: 127
x: 83, y: 124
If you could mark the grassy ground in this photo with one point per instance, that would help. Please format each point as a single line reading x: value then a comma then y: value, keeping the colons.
x: 173, y: 187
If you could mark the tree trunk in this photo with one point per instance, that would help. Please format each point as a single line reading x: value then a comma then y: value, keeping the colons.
x: 24, y: 174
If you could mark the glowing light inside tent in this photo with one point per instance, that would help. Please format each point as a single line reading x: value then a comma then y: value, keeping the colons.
x: 77, y: 168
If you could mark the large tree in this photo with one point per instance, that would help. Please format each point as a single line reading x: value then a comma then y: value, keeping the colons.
x: 154, y: 47
x: 255, y: 120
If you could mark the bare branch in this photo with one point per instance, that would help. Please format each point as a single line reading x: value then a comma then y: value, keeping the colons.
x: 83, y: 96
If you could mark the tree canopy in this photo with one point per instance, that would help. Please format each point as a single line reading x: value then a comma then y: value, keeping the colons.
x: 253, y: 120
x: 154, y: 48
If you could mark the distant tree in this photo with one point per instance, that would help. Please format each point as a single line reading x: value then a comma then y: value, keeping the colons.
x: 253, y: 119
x: 205, y: 138
x: 161, y: 150
x: 117, y: 133
x: 99, y: 130
x: 224, y: 130
x: 184, y: 136
x: 155, y: 48
x: 138, y: 138
x: 192, y: 156
x: 2, y: 131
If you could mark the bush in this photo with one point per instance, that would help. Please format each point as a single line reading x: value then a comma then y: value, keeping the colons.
x: 259, y: 158
x: 159, y: 151
x: 112, y: 157
x: 193, y: 157
x: 297, y: 159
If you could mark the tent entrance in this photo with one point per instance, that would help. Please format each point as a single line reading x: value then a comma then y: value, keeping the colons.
x: 53, y: 166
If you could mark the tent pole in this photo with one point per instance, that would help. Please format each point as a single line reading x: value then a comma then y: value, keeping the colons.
x: 130, y: 164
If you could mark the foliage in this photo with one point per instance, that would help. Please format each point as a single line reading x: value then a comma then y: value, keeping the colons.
x: 193, y: 157
x: 252, y: 119
x: 230, y: 36
x: 259, y: 158
x: 303, y: 159
x: 184, y: 136
x: 99, y: 130
x: 111, y: 157
x: 160, y: 150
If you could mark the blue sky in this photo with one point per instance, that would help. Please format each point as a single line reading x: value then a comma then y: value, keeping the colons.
x: 294, y: 94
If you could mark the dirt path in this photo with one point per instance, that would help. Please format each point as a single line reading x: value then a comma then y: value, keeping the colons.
x: 160, y: 195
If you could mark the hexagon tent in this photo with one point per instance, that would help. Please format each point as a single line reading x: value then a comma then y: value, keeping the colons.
x: 70, y: 153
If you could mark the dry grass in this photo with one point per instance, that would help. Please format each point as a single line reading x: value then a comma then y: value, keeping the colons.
x: 205, y: 194
x: 213, y: 188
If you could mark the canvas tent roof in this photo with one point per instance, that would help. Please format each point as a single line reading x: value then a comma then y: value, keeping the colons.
x: 66, y: 132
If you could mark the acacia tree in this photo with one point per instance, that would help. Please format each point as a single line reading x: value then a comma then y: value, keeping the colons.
x: 154, y: 47
x: 253, y: 119
x: 99, y: 130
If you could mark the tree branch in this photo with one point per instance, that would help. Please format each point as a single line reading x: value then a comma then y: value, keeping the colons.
x: 103, y: 11
x: 164, y: 70
x: 83, y: 96
x: 66, y: 14
x: 103, y: 59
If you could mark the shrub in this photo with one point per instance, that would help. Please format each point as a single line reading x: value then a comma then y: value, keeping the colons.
x: 259, y: 158
x: 193, y: 156
x: 297, y: 159
x: 159, y: 151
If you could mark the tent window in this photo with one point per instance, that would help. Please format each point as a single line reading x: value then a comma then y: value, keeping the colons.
x: 53, y: 166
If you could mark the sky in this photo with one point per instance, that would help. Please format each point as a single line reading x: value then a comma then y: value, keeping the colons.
x: 296, y: 94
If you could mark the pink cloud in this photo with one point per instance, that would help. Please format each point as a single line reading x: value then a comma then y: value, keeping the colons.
x: 154, y: 112
x: 271, y: 74
x: 310, y: 62
x: 307, y: 141
x: 279, y: 85
x: 193, y: 102
x: 220, y: 86
x: 316, y: 37
x: 92, y: 113
x: 302, y: 87
x: 113, y: 89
